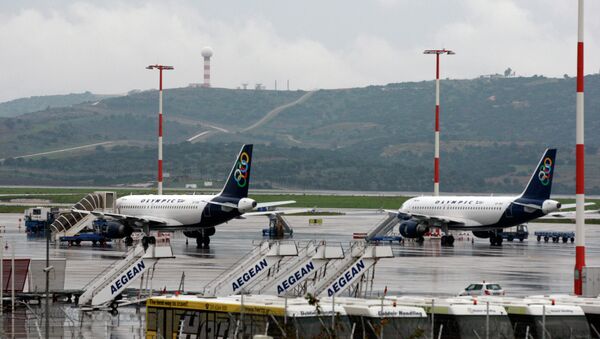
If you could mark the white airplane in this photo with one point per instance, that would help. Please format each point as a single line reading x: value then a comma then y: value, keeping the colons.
x: 195, y: 215
x: 484, y: 216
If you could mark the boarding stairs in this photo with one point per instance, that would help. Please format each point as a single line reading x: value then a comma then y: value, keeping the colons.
x: 346, y: 272
x: 291, y: 280
x: 305, y: 250
x: 111, y: 282
x: 385, y: 227
x: 71, y: 223
x: 279, y: 226
x: 240, y: 278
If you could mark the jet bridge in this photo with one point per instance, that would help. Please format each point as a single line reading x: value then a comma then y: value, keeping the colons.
x: 291, y: 281
x: 111, y: 282
x: 71, y: 223
x: 242, y: 276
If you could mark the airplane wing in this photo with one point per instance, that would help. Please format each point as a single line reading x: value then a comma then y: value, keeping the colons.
x: 567, y: 206
x: 258, y: 205
x: 562, y: 207
x: 146, y: 219
x: 589, y: 214
x: 225, y: 204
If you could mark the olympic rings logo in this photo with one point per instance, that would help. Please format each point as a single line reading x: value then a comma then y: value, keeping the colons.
x: 240, y: 175
x: 545, y: 171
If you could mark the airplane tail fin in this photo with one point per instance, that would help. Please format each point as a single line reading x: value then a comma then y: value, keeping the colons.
x: 239, y: 178
x: 540, y: 183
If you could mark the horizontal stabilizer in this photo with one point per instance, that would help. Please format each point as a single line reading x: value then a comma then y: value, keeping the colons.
x: 288, y: 212
x: 274, y: 203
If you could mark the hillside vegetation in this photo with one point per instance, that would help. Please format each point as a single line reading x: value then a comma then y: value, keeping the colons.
x: 373, y: 138
x: 22, y: 106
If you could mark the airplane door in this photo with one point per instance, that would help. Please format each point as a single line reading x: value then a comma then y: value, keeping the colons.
x: 206, y: 211
x: 509, y: 213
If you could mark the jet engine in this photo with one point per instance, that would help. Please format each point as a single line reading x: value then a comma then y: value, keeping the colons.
x: 246, y: 205
x: 412, y: 229
x: 115, y: 230
x: 550, y: 206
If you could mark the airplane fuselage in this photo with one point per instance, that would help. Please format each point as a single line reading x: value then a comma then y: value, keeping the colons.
x: 188, y: 212
x: 477, y: 212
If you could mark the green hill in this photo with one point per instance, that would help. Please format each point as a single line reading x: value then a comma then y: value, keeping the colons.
x: 22, y: 106
x: 373, y: 138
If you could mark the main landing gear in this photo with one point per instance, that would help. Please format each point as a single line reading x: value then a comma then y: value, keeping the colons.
x: 203, y: 242
x: 148, y: 241
x: 447, y: 240
x: 495, y: 239
x: 202, y: 236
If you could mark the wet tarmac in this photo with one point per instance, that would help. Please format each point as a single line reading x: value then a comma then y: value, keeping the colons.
x: 522, y: 269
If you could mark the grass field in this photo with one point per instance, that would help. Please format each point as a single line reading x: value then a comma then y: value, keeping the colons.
x: 72, y: 195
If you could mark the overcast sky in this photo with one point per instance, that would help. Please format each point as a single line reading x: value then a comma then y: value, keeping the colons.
x: 55, y: 47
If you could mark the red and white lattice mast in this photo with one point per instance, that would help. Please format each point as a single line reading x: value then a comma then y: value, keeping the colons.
x: 160, y: 123
x: 580, y: 163
x: 207, y: 52
x: 436, y: 159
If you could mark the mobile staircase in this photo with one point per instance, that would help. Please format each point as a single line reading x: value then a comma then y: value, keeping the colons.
x: 291, y: 280
x: 110, y: 283
x: 71, y: 223
x: 384, y: 228
x: 279, y: 227
x: 304, y: 251
x: 339, y: 275
x: 240, y: 278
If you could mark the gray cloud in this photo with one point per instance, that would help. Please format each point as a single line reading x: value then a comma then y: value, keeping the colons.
x: 59, y: 47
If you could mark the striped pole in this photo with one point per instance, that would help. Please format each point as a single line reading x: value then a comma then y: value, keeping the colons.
x: 160, y: 132
x: 160, y: 123
x: 206, y: 72
x: 436, y: 156
x: 580, y: 163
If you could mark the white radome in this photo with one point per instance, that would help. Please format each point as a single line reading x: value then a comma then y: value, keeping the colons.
x: 207, y: 52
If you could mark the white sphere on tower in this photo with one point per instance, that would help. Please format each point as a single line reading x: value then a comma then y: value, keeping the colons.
x: 207, y: 52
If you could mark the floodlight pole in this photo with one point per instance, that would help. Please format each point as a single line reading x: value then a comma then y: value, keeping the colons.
x: 160, y: 123
x: 579, y: 168
x: 47, y: 271
x: 436, y: 157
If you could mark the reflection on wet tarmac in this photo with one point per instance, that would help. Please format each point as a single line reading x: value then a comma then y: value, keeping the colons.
x: 522, y: 268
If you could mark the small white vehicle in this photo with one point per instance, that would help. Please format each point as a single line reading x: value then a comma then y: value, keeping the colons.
x: 482, y: 288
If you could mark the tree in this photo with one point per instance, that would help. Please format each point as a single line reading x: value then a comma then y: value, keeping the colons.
x: 508, y: 72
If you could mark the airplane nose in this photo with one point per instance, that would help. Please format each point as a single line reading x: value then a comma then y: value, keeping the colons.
x: 558, y: 205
